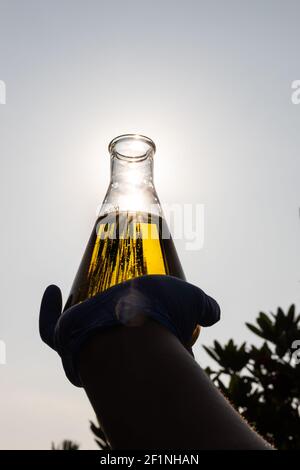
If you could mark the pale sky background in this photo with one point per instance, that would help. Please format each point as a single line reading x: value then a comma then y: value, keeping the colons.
x: 210, y: 83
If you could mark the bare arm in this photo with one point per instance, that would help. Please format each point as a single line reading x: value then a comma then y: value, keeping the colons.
x: 149, y: 393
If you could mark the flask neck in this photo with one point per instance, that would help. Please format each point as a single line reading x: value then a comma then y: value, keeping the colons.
x: 132, y: 159
x: 131, y: 186
x: 132, y: 174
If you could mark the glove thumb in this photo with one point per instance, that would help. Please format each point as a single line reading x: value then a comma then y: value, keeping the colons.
x: 50, y: 311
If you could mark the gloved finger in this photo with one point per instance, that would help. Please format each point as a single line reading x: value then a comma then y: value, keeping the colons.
x: 210, y: 312
x: 50, y: 311
x: 179, y: 304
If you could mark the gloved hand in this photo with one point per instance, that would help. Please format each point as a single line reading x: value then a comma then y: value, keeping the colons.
x: 177, y: 304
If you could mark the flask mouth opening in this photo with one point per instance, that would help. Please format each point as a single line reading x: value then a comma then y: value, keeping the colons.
x: 132, y: 147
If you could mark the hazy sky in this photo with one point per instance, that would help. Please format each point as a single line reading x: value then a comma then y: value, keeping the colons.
x: 210, y: 82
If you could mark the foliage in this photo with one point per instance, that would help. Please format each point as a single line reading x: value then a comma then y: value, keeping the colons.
x: 100, y: 437
x: 263, y: 383
x: 65, y: 445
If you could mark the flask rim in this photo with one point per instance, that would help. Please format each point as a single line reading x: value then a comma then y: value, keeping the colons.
x: 131, y: 147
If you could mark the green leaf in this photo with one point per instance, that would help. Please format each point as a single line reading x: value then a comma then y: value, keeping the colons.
x: 291, y: 313
x: 255, y: 330
x: 212, y: 353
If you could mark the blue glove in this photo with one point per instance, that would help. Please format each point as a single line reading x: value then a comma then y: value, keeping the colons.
x: 176, y: 304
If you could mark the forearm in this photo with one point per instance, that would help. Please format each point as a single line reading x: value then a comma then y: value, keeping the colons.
x: 149, y: 393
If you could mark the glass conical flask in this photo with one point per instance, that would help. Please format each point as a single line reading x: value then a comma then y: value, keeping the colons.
x: 130, y: 237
